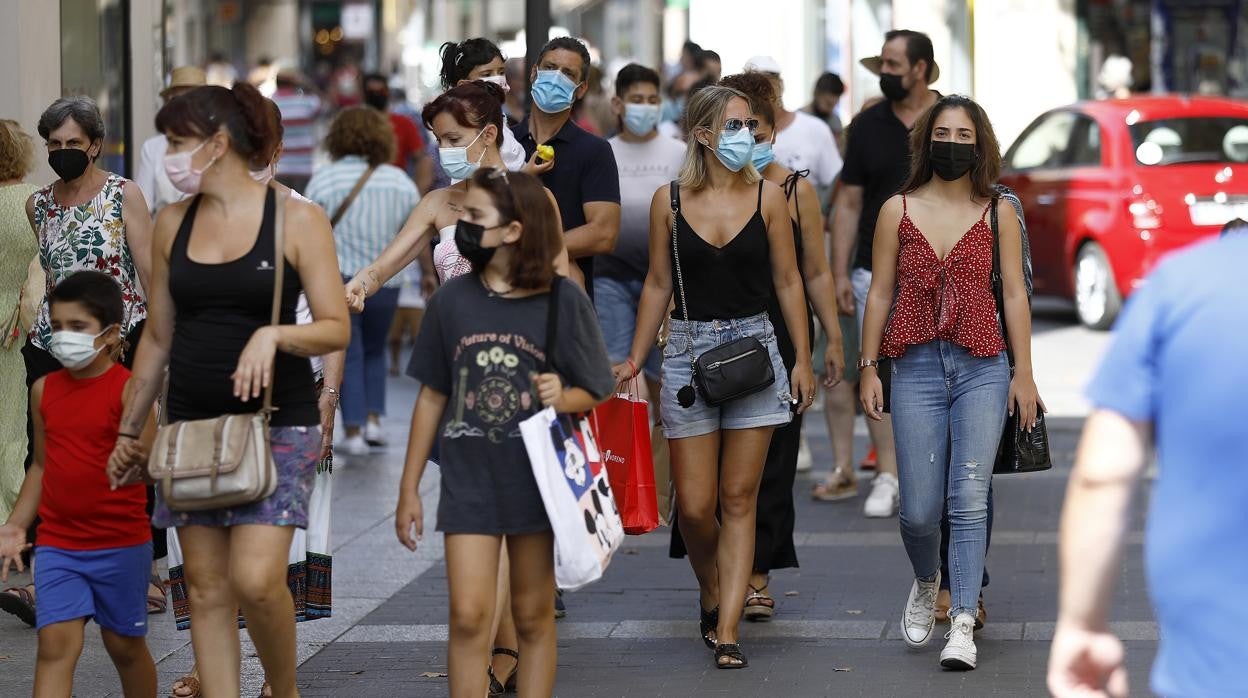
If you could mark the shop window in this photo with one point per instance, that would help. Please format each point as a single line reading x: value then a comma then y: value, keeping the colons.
x: 95, y: 62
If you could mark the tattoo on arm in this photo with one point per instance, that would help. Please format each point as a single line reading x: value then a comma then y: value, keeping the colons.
x: 138, y: 407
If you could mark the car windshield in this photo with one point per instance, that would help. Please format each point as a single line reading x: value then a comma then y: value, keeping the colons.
x: 1194, y: 139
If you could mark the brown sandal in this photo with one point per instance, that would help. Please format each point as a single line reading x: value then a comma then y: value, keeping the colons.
x: 759, y: 606
x: 20, y: 601
x: 189, y: 682
x: 157, y: 603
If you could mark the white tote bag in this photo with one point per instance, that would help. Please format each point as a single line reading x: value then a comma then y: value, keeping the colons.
x: 573, y: 481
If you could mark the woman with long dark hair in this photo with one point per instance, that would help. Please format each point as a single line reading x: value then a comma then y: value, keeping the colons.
x: 733, y: 249
x: 213, y: 277
x: 485, y: 333
x: 951, y: 382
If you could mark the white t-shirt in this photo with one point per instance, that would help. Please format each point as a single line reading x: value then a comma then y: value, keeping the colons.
x: 643, y: 168
x: 807, y: 144
x: 151, y: 178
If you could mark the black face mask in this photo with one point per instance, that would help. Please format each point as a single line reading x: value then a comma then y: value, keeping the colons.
x: 891, y: 86
x: 952, y: 160
x: 377, y: 100
x: 468, y: 237
x: 68, y: 163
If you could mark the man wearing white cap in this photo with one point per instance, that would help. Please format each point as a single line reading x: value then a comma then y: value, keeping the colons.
x: 151, y: 177
x: 803, y: 142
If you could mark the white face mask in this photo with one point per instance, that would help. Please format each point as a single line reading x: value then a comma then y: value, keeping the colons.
x: 75, y: 349
x: 182, y: 172
x: 263, y: 176
x: 500, y: 80
x: 455, y: 160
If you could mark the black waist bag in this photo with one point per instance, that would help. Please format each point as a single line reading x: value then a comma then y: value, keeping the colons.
x: 734, y: 370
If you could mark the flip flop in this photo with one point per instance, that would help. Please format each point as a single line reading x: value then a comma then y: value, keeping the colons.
x: 759, y: 605
x: 20, y: 602
x: 157, y: 604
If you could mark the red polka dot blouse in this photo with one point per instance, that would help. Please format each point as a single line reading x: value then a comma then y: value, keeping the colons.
x: 949, y: 299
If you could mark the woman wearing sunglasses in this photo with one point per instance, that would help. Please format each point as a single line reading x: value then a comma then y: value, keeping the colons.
x: 721, y: 238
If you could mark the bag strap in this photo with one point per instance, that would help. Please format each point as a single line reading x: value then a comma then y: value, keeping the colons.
x: 355, y: 191
x: 279, y: 269
x: 674, y: 188
x: 552, y: 324
x: 998, y: 289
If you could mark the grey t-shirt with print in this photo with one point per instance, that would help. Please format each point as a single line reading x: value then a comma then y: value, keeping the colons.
x: 481, y: 351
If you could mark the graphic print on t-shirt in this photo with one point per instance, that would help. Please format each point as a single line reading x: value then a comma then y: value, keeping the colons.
x: 493, y: 387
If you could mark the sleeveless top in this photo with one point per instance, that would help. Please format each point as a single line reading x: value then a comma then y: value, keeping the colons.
x: 949, y: 299
x: 217, y: 309
x: 729, y: 282
x: 91, y: 236
x: 784, y: 342
x: 446, y: 258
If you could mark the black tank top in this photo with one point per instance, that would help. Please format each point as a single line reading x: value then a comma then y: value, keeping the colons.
x: 784, y: 341
x: 218, y: 307
x: 729, y: 282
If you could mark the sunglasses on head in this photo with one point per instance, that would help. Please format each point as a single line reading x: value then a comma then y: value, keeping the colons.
x: 734, y: 125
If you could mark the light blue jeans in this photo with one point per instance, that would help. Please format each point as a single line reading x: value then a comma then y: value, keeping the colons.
x: 948, y: 411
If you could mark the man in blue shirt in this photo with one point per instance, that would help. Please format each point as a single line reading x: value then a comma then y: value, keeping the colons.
x: 584, y: 179
x: 1174, y: 376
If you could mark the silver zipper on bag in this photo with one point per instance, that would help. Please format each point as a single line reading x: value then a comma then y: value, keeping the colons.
x: 725, y: 362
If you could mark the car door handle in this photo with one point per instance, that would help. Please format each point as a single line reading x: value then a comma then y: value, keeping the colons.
x: 1046, y: 199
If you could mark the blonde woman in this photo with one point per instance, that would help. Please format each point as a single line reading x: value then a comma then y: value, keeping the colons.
x: 735, y: 242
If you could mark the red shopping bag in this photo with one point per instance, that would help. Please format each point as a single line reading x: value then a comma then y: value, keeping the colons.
x: 622, y: 424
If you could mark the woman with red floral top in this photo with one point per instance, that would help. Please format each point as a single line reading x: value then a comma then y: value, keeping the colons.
x: 931, y: 309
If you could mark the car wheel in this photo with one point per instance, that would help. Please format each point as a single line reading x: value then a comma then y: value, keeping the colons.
x: 1096, y: 295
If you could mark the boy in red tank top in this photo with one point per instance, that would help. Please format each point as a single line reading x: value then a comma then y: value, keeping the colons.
x: 94, y: 544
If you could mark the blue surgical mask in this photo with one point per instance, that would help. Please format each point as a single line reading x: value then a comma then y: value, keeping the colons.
x: 455, y: 160
x: 553, y: 91
x: 640, y: 119
x: 763, y: 156
x: 735, y: 148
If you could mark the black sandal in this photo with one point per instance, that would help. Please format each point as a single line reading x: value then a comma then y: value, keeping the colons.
x: 708, y: 623
x: 732, y: 652
x: 508, y: 686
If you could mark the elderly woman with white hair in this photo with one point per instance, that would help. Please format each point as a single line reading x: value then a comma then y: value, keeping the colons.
x: 87, y: 219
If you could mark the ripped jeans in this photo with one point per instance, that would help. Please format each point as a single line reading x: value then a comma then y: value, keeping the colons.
x: 948, y: 411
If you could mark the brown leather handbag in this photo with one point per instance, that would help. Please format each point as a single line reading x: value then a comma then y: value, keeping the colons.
x: 224, y: 461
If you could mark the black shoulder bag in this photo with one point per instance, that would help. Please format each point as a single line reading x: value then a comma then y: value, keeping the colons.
x: 730, y: 371
x: 1020, y: 451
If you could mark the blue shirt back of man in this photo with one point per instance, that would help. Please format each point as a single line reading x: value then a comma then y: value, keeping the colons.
x: 1179, y: 359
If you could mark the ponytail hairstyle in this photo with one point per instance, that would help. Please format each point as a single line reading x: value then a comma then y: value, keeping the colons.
x: 522, y: 198
x: 475, y: 104
x: 244, y: 113
x: 458, y: 59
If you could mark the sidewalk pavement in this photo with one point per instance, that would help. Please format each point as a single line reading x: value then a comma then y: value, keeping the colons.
x: 635, y: 633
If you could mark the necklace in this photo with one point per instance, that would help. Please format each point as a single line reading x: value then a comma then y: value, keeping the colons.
x: 491, y: 292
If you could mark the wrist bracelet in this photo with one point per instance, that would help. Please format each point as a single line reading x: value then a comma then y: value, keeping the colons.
x: 128, y: 436
x: 331, y: 391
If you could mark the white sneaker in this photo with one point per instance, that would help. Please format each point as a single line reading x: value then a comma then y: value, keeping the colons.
x: 355, y: 445
x: 919, y: 617
x: 374, y: 435
x: 959, y: 652
x: 884, y: 499
x: 803, y: 457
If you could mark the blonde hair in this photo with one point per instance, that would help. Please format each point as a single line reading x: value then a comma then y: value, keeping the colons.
x: 17, y: 151
x: 706, y: 111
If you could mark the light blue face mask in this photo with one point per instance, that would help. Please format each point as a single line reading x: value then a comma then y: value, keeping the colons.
x: 763, y: 155
x: 455, y: 160
x: 735, y: 148
x: 640, y: 119
x: 553, y: 91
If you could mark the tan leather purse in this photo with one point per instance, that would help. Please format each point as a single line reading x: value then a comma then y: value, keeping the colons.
x: 225, y: 461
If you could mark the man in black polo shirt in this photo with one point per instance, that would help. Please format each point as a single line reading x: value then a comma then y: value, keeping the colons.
x: 584, y: 179
x: 877, y: 161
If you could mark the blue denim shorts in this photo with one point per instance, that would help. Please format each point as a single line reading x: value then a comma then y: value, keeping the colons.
x: 767, y: 408
x: 616, y: 302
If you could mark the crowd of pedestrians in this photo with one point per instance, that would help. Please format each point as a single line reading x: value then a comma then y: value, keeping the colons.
x: 564, y: 264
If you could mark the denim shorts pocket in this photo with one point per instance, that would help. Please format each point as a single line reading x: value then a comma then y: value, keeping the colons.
x: 677, y: 343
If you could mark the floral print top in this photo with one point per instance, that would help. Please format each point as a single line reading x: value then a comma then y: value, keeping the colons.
x: 88, y: 237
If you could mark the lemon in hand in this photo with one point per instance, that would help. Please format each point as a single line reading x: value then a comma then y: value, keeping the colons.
x: 546, y: 152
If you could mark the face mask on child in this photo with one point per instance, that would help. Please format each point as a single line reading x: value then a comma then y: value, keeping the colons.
x: 75, y: 349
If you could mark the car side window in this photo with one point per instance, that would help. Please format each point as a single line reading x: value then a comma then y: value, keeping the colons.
x: 1085, y: 146
x: 1045, y: 144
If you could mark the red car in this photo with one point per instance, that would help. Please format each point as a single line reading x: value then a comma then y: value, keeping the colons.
x: 1109, y: 187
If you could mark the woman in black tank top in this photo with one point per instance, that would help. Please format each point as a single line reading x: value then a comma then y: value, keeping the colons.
x: 773, y: 544
x: 735, y: 242
x: 209, y: 322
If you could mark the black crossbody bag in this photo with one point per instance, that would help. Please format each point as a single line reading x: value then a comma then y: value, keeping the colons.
x: 1020, y: 451
x: 730, y: 371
